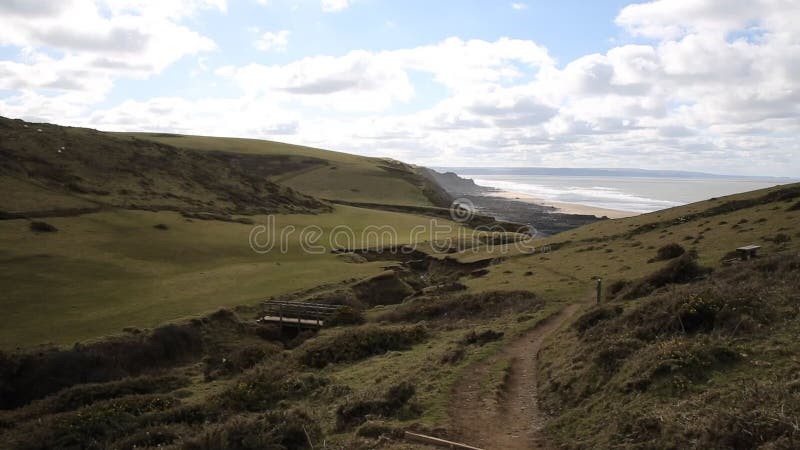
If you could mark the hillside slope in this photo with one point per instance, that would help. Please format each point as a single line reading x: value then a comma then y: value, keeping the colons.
x: 340, y: 177
x: 52, y: 170
x: 709, y: 364
x: 691, y: 347
x: 635, y: 372
x: 105, y: 231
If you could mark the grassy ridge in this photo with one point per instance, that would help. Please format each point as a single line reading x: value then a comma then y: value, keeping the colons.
x: 57, y: 169
x: 344, y: 177
x: 567, y: 263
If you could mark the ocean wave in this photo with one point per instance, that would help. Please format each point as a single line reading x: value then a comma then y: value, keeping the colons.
x: 597, y: 196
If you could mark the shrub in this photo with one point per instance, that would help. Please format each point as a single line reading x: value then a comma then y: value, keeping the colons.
x: 91, y: 426
x: 293, y: 429
x: 669, y: 251
x: 345, y: 316
x: 759, y: 414
x: 679, y: 271
x: 228, y: 362
x: 359, y: 343
x: 263, y: 388
x: 483, y: 305
x: 781, y: 238
x: 86, y: 394
x: 30, y: 376
x: 376, y: 429
x: 614, y: 352
x: 182, y: 414
x: 161, y: 226
x: 616, y: 287
x: 355, y: 411
x: 482, y: 337
x: 594, y: 316
x: 384, y: 289
x: 674, y: 364
x: 42, y: 227
x: 453, y: 355
x: 148, y: 437
x: 342, y: 297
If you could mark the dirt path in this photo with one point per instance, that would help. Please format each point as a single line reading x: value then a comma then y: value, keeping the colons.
x: 512, y: 421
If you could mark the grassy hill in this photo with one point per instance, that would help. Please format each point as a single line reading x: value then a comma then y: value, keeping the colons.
x: 326, y: 174
x: 690, y: 348
x: 52, y: 170
x: 136, y: 232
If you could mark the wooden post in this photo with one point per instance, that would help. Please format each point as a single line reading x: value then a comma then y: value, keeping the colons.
x: 599, y: 289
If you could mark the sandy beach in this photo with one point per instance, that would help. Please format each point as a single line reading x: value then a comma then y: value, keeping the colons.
x: 564, y: 208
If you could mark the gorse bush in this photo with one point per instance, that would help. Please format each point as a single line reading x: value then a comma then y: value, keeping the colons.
x: 482, y: 337
x: 89, y: 427
x: 594, y: 316
x: 86, y: 394
x: 487, y: 304
x: 678, y: 271
x: 359, y: 343
x: 148, y: 438
x: 280, y: 430
x: 34, y: 375
x: 355, y: 411
x: 263, y: 388
x: 42, y: 227
x: 229, y: 361
x: 759, y: 414
x: 669, y: 251
x: 345, y: 316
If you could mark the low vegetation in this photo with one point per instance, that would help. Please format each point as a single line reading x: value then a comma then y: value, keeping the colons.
x: 680, y: 353
x: 454, y: 307
x: 722, y: 347
x: 355, y: 344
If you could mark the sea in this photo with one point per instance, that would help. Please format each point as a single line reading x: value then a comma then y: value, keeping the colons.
x: 634, y: 191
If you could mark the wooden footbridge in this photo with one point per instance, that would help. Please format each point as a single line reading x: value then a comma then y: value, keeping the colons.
x: 297, y: 314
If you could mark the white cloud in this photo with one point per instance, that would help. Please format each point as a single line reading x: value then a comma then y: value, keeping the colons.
x: 335, y: 5
x: 670, y: 19
x: 712, y: 86
x: 273, y: 41
x: 519, y: 6
x: 96, y: 41
x: 374, y: 81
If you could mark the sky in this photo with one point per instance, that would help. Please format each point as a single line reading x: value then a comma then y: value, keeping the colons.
x: 703, y: 85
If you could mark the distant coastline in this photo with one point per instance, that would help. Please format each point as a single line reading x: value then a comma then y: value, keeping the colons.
x: 612, y: 193
x: 562, y: 207
x: 608, y: 172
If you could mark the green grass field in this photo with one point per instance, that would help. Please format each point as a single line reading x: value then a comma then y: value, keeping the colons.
x: 105, y: 271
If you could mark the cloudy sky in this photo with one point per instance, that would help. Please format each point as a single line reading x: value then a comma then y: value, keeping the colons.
x: 666, y: 84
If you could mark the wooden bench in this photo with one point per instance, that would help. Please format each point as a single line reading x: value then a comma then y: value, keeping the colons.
x: 299, y: 314
x: 748, y: 251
